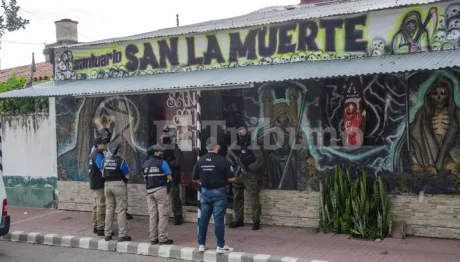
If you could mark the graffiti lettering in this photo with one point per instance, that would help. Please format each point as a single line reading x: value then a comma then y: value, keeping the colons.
x: 149, y: 59
x: 97, y: 61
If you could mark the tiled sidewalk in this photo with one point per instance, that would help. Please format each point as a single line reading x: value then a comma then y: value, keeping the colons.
x: 272, y: 240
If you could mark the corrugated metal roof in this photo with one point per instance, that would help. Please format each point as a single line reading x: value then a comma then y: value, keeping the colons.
x: 270, y: 15
x: 243, y: 75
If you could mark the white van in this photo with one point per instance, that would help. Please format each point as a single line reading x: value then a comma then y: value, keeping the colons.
x: 4, y: 218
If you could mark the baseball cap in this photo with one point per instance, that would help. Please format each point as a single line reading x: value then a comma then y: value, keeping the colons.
x: 101, y: 140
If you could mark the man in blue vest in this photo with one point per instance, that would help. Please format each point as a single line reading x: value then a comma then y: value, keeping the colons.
x: 157, y: 174
x: 96, y: 183
x: 116, y: 194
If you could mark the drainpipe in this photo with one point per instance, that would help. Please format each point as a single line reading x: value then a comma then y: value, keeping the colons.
x: 198, y: 148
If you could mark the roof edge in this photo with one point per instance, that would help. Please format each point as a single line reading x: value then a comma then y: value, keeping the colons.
x: 393, y: 4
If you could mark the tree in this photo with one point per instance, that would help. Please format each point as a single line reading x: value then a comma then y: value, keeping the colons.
x: 10, y: 20
x: 19, y: 106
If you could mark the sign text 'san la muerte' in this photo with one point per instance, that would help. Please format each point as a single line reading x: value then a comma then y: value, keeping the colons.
x: 395, y: 31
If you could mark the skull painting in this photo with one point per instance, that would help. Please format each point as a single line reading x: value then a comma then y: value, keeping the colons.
x: 439, y: 96
x: 440, y: 36
x: 452, y: 167
x: 453, y: 10
x: 351, y: 108
x: 453, y: 35
x: 454, y: 23
x: 378, y: 43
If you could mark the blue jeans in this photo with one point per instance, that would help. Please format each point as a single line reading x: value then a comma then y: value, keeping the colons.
x: 212, y: 201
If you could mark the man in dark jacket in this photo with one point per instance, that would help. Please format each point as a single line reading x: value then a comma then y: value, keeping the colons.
x: 96, y: 183
x: 173, y: 156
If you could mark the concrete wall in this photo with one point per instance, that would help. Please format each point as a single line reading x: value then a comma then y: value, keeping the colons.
x: 429, y: 216
x: 29, y: 159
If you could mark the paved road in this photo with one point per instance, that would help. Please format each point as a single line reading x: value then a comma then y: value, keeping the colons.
x: 19, y: 252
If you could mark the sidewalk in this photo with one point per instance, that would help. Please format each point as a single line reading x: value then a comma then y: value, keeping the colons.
x: 271, y: 240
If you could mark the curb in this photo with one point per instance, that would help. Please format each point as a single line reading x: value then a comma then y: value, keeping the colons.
x: 146, y: 249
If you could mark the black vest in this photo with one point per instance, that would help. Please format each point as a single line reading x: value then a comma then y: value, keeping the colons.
x: 96, y: 181
x: 112, y: 169
x: 154, y: 175
x: 244, y: 152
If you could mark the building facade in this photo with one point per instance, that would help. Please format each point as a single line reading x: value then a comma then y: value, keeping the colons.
x: 367, y: 85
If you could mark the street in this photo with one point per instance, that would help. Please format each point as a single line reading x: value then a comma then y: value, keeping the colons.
x: 19, y: 252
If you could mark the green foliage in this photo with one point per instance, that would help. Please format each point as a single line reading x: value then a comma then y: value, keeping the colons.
x: 10, y: 19
x: 22, y: 106
x: 353, y: 207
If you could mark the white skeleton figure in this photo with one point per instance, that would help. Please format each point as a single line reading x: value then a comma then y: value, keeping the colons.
x: 441, y: 120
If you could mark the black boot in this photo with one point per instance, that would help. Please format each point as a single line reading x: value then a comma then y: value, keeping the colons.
x: 178, y: 220
x: 256, y: 226
x: 100, y: 233
x: 167, y: 242
x: 236, y: 224
x: 129, y: 216
x: 125, y: 239
x: 95, y: 230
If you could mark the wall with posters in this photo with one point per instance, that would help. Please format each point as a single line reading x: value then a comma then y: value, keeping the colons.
x: 394, y: 31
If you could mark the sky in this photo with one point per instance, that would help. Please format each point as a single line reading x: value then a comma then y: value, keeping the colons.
x: 101, y: 19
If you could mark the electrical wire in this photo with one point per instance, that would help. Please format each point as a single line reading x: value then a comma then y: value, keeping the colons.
x: 18, y: 42
x: 79, y: 33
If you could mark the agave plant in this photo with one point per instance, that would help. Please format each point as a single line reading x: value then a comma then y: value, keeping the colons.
x: 350, y: 206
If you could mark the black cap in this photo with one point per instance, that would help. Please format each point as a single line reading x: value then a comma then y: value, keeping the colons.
x: 101, y: 140
x: 211, y: 143
x: 155, y: 148
x: 240, y: 126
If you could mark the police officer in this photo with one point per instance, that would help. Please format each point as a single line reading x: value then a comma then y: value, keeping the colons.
x: 157, y: 174
x: 173, y: 156
x: 242, y: 149
x: 96, y: 183
x: 116, y: 194
x: 213, y: 172
x: 128, y: 216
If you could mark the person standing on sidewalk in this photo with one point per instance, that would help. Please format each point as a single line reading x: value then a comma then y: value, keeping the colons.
x: 128, y: 216
x: 115, y: 173
x: 173, y: 156
x: 213, y: 172
x: 242, y: 149
x: 96, y: 183
x: 157, y: 174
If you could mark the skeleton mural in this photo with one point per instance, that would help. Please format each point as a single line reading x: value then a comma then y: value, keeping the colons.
x: 354, y: 116
x: 413, y: 36
x: 281, y: 107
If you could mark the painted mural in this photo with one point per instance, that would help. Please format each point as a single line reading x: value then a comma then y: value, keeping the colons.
x: 80, y: 120
x: 135, y: 122
x: 394, y: 31
x: 357, y: 123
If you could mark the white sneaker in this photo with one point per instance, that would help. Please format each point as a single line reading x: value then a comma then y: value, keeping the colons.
x: 201, y: 248
x: 224, y: 249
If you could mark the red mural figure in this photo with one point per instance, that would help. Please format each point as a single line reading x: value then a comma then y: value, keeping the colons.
x: 354, y: 116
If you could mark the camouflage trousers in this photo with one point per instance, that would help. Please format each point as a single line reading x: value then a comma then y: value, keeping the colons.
x: 176, y: 201
x: 252, y: 187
